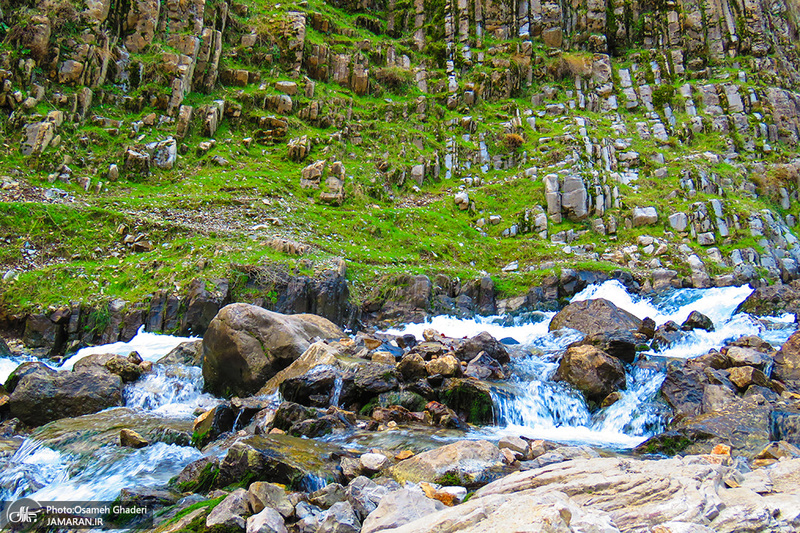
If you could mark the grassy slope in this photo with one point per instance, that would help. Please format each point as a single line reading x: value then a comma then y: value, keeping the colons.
x: 201, y: 217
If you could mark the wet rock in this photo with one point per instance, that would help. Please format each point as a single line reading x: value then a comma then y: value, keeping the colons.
x: 594, y: 316
x: 198, y: 476
x: 482, y: 342
x: 375, y: 378
x: 188, y: 353
x: 230, y: 512
x: 439, y: 414
x: 742, y: 425
x: 210, y: 425
x: 484, y: 367
x: 464, y: 463
x: 278, y: 459
x: 266, y: 521
x: 127, y: 367
x: 327, y: 496
x: 315, y: 388
x: 771, y: 300
x: 784, y: 424
x: 469, y: 398
x: 43, y: 395
x: 666, y: 334
x: 697, y: 320
x: 742, y: 356
x: 412, y: 367
x: 246, y: 345
x: 591, y: 371
x: 130, y: 439
x: 619, y: 344
x: 261, y: 495
x: 290, y: 413
x: 683, y: 389
x: 399, y: 508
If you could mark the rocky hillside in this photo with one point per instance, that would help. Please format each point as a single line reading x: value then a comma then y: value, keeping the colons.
x: 448, y: 155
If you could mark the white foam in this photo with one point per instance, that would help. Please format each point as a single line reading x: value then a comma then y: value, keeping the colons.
x: 496, y: 326
x: 150, y: 346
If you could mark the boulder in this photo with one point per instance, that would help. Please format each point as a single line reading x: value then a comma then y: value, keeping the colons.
x: 375, y: 378
x: 592, y: 317
x: 644, y: 216
x: 771, y: 300
x: 284, y: 459
x: 470, y: 398
x: 619, y: 344
x: 126, y: 367
x: 246, y: 345
x: 399, y: 508
x: 340, y: 518
x: 44, y: 395
x: 188, y: 353
x: 787, y: 360
x: 266, y: 521
x: 229, y: 514
x: 484, y: 367
x: 466, y: 463
x: 130, y: 439
x: 445, y: 366
x: 697, y: 320
x: 364, y: 495
x: 412, y: 367
x: 262, y: 495
x: 482, y: 342
x: 591, y: 371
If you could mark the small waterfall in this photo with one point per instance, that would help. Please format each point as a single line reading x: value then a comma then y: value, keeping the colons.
x: 169, y: 390
x: 338, y: 383
x: 312, y: 483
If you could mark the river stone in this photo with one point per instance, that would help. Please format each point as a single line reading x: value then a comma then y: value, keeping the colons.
x: 445, y: 366
x: 245, y: 345
x: 130, y: 439
x: 44, y: 395
x: 483, y: 366
x: 399, y: 508
x: 317, y: 354
x: 620, y: 494
x: 188, y: 353
x: 482, y: 342
x: 784, y: 424
x: 412, y: 367
x: 592, y: 317
x: 470, y: 398
x: 743, y: 425
x: 744, y: 376
x: 742, y: 356
x: 327, y: 496
x: 125, y: 366
x: 591, y: 371
x: 374, y: 462
x: 5, y: 351
x: 266, y: 521
x: 465, y: 463
x: 262, y: 494
x: 787, y: 360
x: 375, y: 378
x: 230, y: 511
x: 340, y: 518
x: 364, y: 495
x: 697, y: 320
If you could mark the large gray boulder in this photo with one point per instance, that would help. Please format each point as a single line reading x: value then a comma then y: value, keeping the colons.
x: 787, y: 361
x: 592, y: 317
x: 246, y: 345
x: 42, y: 394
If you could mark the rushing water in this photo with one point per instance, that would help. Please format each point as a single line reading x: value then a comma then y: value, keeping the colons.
x: 534, y: 405
x: 53, y: 463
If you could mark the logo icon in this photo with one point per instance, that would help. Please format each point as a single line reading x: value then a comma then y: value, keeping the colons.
x: 23, y: 512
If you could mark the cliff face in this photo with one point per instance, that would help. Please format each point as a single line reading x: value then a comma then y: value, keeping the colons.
x: 656, y: 137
